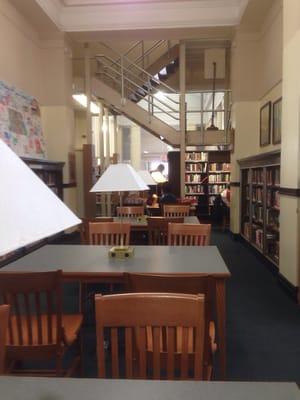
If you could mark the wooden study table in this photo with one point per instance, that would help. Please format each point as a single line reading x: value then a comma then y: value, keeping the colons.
x: 140, y: 224
x: 86, y: 263
x: 16, y: 388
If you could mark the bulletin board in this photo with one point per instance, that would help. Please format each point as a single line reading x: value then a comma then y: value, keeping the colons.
x: 20, y: 122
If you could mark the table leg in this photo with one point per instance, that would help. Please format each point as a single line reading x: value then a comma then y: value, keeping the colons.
x: 221, y: 324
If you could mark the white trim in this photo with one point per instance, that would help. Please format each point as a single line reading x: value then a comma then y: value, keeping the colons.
x: 101, y: 15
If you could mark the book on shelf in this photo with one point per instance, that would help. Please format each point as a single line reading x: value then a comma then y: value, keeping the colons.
x: 219, y: 167
x: 257, y: 176
x: 219, y: 178
x: 194, y: 167
x: 257, y: 194
x: 199, y: 189
x: 196, y: 156
x: 216, y: 189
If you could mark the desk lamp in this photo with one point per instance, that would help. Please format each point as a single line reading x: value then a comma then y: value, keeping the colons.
x: 119, y: 178
x: 29, y: 210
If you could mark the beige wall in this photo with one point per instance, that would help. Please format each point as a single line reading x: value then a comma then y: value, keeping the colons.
x: 20, y: 51
x: 43, y: 69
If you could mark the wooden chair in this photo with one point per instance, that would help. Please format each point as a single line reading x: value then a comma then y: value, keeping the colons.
x: 158, y: 229
x: 176, y: 210
x: 37, y: 329
x: 109, y: 233
x: 4, y: 314
x: 130, y: 212
x: 84, y: 227
x: 166, y: 356
x: 145, y: 283
x: 189, y: 234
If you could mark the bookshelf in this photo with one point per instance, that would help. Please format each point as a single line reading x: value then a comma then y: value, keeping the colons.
x: 260, y: 204
x: 50, y: 172
x: 206, y: 175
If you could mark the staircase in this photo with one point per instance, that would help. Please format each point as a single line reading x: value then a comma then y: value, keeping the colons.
x: 137, y: 94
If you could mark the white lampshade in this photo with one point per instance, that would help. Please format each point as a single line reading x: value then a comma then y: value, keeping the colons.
x: 158, y: 177
x: 146, y: 176
x: 119, y: 178
x: 29, y: 210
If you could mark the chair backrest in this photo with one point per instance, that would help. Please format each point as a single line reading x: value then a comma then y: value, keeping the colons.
x: 36, y: 309
x: 130, y: 212
x: 162, y: 356
x: 158, y: 229
x: 4, y: 314
x: 109, y: 233
x: 177, y: 210
x: 189, y: 234
x: 84, y: 227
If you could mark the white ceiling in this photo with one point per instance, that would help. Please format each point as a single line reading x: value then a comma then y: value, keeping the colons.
x: 118, y: 15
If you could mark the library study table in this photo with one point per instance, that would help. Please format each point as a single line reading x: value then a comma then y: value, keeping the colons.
x: 13, y: 388
x: 85, y: 263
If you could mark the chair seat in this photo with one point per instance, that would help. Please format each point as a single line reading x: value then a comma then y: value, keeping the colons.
x: 71, y: 325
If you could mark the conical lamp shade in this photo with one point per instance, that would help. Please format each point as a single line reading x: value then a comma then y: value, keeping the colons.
x: 29, y: 210
x: 146, y: 176
x: 119, y: 178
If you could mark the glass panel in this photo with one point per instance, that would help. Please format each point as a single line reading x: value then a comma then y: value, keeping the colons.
x: 193, y: 121
x: 219, y: 119
x: 219, y: 101
x: 193, y: 101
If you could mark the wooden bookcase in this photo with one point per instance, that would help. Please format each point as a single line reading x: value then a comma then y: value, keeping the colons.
x: 260, y: 204
x: 51, y: 173
x: 206, y: 174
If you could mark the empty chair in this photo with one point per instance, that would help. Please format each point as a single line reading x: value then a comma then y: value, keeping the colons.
x: 167, y: 355
x: 37, y: 329
x: 130, y: 212
x: 177, y: 210
x: 146, y: 283
x: 4, y: 314
x: 158, y: 229
x: 84, y: 227
x: 189, y: 234
x: 109, y: 233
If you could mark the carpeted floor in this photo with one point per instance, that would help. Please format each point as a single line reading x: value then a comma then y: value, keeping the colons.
x: 263, y: 322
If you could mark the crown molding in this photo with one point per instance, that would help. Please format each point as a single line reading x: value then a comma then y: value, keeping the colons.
x: 101, y: 15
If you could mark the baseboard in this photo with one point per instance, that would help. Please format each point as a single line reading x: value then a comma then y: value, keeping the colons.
x: 288, y: 287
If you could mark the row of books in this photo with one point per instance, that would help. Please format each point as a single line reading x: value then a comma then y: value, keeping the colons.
x: 258, y: 213
x: 212, y: 167
x: 273, y: 176
x: 219, y: 178
x: 48, y: 177
x: 257, y: 194
x: 197, y: 178
x: 273, y: 198
x: 196, y: 168
x: 272, y: 218
x: 257, y: 175
x: 216, y: 189
x: 199, y: 189
x: 196, y: 156
x: 257, y: 236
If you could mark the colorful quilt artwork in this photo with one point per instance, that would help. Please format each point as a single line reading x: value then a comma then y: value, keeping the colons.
x: 20, y: 122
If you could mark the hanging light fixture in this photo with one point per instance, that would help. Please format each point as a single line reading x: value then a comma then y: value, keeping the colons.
x: 212, y: 126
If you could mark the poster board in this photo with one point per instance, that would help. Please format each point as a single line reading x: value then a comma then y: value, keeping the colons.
x: 20, y: 122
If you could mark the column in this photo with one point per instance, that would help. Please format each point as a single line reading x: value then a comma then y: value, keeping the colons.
x: 290, y: 145
x: 182, y: 87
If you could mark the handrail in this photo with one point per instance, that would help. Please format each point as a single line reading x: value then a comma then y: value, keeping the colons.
x: 135, y: 84
x: 146, y: 93
x: 143, y: 71
x: 155, y: 46
x: 126, y: 52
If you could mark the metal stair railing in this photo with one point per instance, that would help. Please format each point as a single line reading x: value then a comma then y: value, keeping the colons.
x: 140, y: 86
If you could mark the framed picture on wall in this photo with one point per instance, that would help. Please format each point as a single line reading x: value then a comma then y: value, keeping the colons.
x: 265, y: 124
x: 276, y: 131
